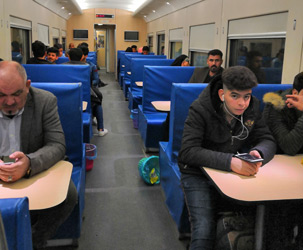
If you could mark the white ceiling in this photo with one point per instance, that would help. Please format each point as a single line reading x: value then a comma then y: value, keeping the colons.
x: 148, y: 9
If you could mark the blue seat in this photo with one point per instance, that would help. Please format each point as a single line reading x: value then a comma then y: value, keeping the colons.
x: 137, y: 69
x: 69, y: 99
x: 126, y: 60
x: 157, y: 87
x: 182, y: 95
x: 62, y: 59
x: 66, y: 74
x: 17, y: 223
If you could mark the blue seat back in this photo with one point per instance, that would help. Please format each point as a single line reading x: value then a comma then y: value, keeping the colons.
x: 62, y: 59
x: 69, y: 99
x: 17, y: 223
x: 137, y: 67
x: 62, y: 73
x: 158, y: 81
x: 182, y: 96
x: 129, y: 56
x: 262, y: 89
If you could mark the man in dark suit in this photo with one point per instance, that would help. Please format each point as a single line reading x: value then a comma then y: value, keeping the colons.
x: 32, y: 137
x: 206, y: 74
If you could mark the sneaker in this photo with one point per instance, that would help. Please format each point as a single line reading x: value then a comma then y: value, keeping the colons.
x: 94, y: 121
x: 102, y: 132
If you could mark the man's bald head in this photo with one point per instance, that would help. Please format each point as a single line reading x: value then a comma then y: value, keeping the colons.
x: 14, y: 87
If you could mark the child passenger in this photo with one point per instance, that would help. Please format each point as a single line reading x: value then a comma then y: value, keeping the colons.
x: 224, y: 120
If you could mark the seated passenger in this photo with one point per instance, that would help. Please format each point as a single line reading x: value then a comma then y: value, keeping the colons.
x: 145, y: 50
x: 76, y: 57
x: 206, y: 74
x: 60, y: 48
x: 52, y: 55
x: 254, y: 63
x: 71, y: 45
x: 39, y: 51
x: 284, y: 117
x: 181, y: 60
x: 134, y: 48
x: 128, y: 49
x: 224, y: 120
x: 38, y: 143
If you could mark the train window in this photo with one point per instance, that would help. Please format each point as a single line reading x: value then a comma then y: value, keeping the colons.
x: 64, y: 43
x: 175, y: 49
x: 198, y: 58
x: 20, y: 45
x: 151, y: 43
x: 161, y: 44
x: 43, y: 33
x: 264, y: 56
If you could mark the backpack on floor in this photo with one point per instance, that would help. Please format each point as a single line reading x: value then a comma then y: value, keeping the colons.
x: 235, y: 232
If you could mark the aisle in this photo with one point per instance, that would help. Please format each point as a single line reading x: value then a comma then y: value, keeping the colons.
x: 121, y: 211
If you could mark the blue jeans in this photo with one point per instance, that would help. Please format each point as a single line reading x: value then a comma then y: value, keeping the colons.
x: 98, y: 113
x: 201, y: 200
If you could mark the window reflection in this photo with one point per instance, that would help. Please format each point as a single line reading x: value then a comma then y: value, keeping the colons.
x: 175, y: 49
x: 263, y: 56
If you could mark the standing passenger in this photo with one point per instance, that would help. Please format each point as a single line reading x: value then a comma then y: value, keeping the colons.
x: 224, y: 119
x: 206, y: 74
x: 32, y: 135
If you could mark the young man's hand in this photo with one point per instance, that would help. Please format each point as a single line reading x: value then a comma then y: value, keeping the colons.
x: 294, y: 101
x: 246, y: 168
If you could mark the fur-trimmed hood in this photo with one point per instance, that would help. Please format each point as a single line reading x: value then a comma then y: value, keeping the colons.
x: 277, y: 99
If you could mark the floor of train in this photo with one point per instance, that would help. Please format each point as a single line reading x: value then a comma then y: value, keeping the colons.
x: 121, y: 211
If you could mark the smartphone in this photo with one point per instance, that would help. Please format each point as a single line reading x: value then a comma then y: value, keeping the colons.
x: 249, y: 158
x: 7, y: 161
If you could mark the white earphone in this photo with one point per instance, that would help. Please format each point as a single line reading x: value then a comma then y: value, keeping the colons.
x: 223, y: 98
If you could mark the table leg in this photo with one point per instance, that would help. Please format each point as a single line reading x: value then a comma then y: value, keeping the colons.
x: 259, y: 227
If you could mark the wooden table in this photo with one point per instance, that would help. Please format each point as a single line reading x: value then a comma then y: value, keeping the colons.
x: 161, y: 105
x: 84, y: 105
x: 139, y: 84
x: 280, y: 179
x: 44, y: 190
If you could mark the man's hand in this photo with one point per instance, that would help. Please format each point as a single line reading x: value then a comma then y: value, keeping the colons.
x: 246, y: 168
x: 16, y: 170
x: 294, y: 101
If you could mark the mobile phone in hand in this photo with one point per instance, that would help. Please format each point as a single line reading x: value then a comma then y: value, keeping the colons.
x: 249, y: 158
x: 7, y: 160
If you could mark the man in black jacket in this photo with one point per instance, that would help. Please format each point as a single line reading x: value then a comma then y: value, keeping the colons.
x: 224, y: 120
x: 206, y: 74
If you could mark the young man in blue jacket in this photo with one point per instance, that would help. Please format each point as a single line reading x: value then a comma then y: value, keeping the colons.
x: 224, y: 120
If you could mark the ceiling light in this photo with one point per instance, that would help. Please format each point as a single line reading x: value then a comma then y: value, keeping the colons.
x: 62, y: 8
x: 167, y: 3
x: 154, y: 11
x: 69, y: 13
x: 145, y: 16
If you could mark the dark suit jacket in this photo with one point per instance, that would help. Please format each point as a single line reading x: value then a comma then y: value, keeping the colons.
x: 42, y: 137
x: 200, y: 74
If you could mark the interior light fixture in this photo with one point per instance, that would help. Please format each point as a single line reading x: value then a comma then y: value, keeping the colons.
x: 62, y: 8
x: 69, y: 13
x: 167, y: 3
x: 154, y: 11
